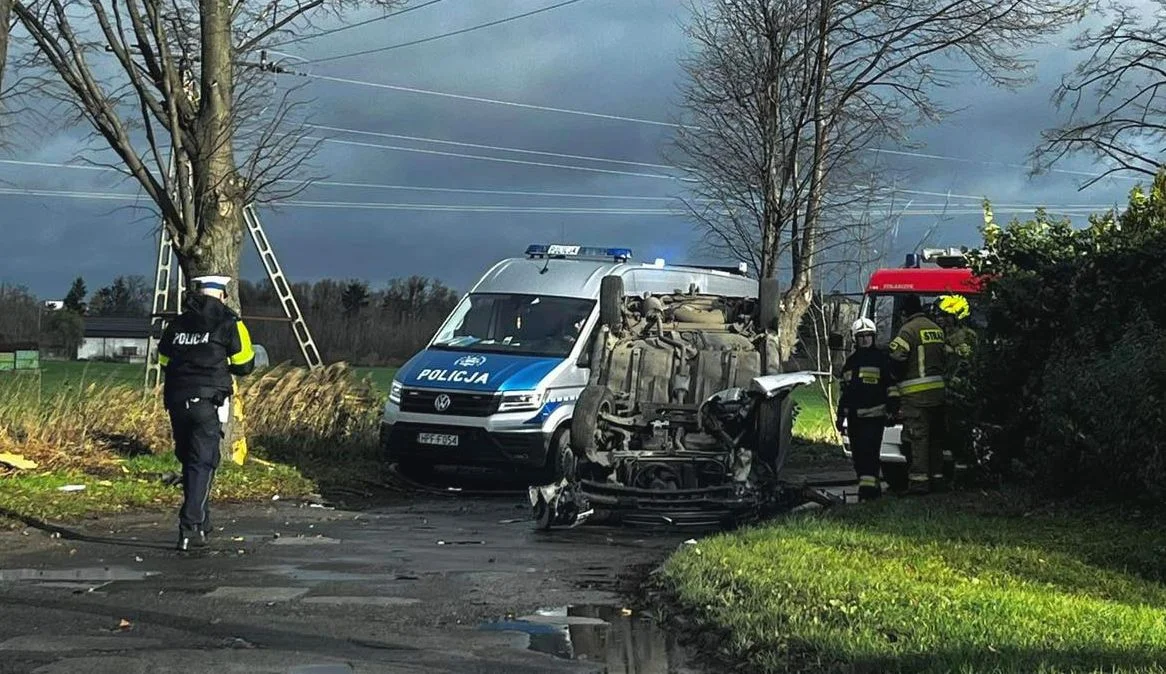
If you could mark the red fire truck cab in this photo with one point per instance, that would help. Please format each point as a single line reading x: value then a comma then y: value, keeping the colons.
x: 946, y: 273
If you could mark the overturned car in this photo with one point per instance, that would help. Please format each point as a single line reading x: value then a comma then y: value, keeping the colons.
x: 684, y: 420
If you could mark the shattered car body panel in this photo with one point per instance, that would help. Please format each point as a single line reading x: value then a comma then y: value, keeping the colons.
x: 680, y: 423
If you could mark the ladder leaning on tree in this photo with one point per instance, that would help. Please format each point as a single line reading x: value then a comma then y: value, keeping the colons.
x: 161, y: 312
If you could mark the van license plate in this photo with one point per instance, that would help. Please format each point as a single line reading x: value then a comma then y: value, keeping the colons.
x: 437, y: 439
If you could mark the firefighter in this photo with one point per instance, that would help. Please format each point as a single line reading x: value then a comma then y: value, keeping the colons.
x: 199, y: 351
x: 953, y: 312
x: 864, y: 406
x: 919, y: 350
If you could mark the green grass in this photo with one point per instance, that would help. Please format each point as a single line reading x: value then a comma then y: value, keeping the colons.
x: 138, y: 483
x: 941, y: 584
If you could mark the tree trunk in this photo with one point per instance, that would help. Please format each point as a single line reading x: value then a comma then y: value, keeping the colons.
x: 5, y: 27
x: 801, y: 292
x: 218, y: 189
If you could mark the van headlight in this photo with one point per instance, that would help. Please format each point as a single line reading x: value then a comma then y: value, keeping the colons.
x: 519, y: 401
x: 395, y: 392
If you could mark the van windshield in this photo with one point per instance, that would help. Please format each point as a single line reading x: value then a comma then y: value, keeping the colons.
x: 532, y: 325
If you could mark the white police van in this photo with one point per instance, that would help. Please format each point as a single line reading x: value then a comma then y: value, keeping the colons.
x: 496, y: 385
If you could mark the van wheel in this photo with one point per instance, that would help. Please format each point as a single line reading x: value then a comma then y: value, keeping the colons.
x: 611, y: 302
x: 585, y: 418
x: 560, y: 459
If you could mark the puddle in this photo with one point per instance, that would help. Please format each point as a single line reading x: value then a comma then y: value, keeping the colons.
x: 313, y: 575
x: 89, y: 574
x: 598, y: 634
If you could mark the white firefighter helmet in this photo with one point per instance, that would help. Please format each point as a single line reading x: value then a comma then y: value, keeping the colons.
x: 863, y: 326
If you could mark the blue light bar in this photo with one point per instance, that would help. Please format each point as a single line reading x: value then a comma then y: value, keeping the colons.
x: 562, y: 250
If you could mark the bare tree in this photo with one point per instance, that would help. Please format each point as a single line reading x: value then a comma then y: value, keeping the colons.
x: 166, y: 84
x: 1114, y: 96
x: 5, y: 27
x: 785, y: 98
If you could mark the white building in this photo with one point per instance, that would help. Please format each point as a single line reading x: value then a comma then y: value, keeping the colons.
x: 115, y: 338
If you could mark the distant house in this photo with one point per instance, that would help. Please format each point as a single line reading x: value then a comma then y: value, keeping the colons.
x: 128, y: 339
x: 115, y: 338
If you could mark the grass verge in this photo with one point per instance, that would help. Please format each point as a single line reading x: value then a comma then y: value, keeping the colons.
x: 140, y: 483
x: 309, y: 430
x: 955, y: 583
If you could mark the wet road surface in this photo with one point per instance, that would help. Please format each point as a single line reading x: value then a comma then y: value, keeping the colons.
x: 429, y: 585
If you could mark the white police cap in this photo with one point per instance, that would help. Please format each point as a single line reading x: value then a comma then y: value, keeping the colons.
x: 213, y: 282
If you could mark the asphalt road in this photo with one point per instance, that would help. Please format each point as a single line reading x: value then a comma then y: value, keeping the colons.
x: 433, y: 584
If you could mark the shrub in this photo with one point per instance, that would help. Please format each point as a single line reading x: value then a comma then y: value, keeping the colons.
x: 1070, y: 372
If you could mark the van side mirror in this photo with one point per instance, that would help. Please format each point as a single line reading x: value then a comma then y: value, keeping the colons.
x: 835, y: 341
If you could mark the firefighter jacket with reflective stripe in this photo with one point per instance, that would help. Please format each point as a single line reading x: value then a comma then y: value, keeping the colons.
x: 961, y: 342
x: 200, y: 350
x: 920, y: 349
x: 866, y: 377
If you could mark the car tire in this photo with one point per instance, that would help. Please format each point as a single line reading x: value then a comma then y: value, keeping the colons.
x: 611, y: 296
x: 769, y: 303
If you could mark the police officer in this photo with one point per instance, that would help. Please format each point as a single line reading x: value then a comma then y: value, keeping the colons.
x: 919, y: 350
x: 864, y: 406
x: 199, y: 351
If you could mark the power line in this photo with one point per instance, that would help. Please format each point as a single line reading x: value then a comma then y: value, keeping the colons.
x: 419, y: 188
x: 481, y: 99
x: 431, y: 38
x: 925, y: 155
x: 487, y: 147
x: 77, y: 194
x: 496, y: 159
x: 575, y: 195
x: 355, y: 25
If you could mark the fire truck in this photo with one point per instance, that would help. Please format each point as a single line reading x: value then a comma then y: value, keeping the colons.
x: 930, y: 274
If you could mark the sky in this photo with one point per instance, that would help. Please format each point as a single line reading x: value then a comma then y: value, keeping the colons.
x: 611, y: 57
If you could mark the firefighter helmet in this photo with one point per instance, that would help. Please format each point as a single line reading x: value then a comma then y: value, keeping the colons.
x: 956, y: 305
x: 863, y: 326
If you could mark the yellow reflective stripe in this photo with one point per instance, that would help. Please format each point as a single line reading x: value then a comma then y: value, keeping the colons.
x: 869, y: 370
x: 163, y: 360
x: 922, y: 360
x: 899, y: 344
x: 246, y: 353
x: 868, y: 481
x: 920, y: 385
x: 876, y: 411
x: 892, y: 391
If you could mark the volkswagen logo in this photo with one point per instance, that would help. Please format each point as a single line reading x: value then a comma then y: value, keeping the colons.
x: 441, y: 402
x: 470, y: 361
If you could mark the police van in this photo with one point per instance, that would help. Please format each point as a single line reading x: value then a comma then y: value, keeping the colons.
x: 496, y: 385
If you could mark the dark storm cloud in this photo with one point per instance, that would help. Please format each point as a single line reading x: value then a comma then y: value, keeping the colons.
x: 605, y: 56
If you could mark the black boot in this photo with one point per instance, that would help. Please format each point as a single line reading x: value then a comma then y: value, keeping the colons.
x: 188, y: 539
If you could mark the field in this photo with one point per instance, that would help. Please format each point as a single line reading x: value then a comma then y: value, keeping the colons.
x: 815, y: 422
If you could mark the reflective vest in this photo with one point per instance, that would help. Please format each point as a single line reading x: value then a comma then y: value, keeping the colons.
x: 921, y: 351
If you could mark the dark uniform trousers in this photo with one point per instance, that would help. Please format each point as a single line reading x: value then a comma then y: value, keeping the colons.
x: 197, y: 433
x: 866, y: 442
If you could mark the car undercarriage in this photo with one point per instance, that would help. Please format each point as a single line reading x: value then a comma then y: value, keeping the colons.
x: 682, y: 422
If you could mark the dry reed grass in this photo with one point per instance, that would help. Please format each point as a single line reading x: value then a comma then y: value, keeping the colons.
x: 289, y: 411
